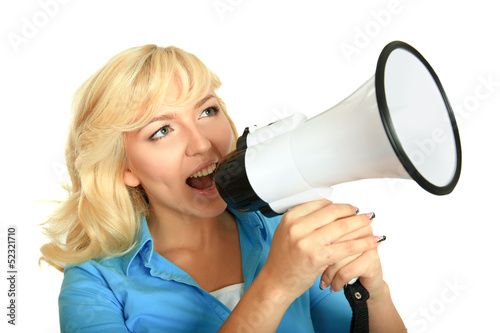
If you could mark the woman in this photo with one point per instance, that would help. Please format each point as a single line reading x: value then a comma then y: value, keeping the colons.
x: 147, y: 244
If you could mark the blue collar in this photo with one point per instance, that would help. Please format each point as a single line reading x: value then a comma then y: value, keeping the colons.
x: 144, y: 242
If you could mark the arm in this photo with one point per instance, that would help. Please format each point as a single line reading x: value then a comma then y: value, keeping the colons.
x: 260, y: 309
x: 303, y: 246
x: 333, y: 309
x: 86, y: 305
x: 383, y: 316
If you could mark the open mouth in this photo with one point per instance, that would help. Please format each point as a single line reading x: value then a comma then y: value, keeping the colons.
x: 203, y: 179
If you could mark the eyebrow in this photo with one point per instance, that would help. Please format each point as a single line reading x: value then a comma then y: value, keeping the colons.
x: 203, y: 100
x: 171, y: 116
x: 163, y: 117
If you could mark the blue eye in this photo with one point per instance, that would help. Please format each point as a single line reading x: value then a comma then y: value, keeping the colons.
x: 210, y: 112
x: 161, y: 132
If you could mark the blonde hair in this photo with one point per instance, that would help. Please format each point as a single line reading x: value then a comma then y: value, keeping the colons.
x: 101, y: 215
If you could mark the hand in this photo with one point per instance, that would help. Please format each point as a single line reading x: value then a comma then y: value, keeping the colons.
x: 311, y: 238
x: 366, y: 265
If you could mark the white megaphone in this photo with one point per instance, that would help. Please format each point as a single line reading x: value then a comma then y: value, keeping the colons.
x: 399, y: 124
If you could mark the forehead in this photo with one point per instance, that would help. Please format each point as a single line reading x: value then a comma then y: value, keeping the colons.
x: 182, y: 93
x: 171, y: 83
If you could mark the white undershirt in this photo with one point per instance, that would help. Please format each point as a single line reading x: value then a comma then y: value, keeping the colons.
x: 230, y: 295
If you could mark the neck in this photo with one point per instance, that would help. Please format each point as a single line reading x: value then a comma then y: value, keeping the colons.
x: 171, y: 232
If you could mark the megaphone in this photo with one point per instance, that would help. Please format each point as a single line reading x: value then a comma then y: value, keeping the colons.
x: 399, y: 124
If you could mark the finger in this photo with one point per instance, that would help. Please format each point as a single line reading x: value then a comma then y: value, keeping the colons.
x: 313, y: 206
x: 335, y: 231
x: 307, y: 208
x: 317, y: 214
x: 331, y: 271
x: 359, y: 233
x: 333, y: 253
x: 366, y: 266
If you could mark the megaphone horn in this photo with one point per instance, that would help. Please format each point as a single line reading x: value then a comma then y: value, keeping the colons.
x: 398, y: 124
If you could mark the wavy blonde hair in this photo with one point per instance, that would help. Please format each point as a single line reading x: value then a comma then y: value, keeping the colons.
x: 101, y: 215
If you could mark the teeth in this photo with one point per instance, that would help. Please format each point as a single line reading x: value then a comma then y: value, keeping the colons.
x: 207, y: 171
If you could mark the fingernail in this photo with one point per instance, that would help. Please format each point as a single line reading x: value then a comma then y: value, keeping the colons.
x: 371, y: 215
x: 332, y: 290
x: 379, y: 239
x: 357, y: 210
x: 322, y: 285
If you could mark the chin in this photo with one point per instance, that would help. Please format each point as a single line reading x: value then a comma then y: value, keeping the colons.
x: 208, y: 207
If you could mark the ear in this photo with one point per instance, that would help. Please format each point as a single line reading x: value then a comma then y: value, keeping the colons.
x: 130, y: 178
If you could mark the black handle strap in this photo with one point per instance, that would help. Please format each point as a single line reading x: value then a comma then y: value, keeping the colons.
x: 357, y: 295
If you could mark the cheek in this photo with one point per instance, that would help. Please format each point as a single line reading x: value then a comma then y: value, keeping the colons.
x: 223, y: 139
x: 151, y: 165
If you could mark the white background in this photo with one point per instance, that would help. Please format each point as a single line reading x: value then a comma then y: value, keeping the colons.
x: 274, y: 58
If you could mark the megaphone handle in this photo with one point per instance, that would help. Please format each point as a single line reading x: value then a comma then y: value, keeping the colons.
x: 357, y: 296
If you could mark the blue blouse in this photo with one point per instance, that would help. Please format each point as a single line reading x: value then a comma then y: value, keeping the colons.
x: 144, y: 292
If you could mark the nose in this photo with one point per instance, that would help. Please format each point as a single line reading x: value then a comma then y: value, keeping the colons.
x: 198, y: 142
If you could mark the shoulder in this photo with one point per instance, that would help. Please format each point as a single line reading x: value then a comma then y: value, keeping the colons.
x: 88, y: 300
x: 86, y: 287
x: 90, y: 276
x: 108, y: 271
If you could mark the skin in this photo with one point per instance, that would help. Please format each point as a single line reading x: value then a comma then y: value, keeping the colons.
x: 193, y: 229
x: 187, y: 139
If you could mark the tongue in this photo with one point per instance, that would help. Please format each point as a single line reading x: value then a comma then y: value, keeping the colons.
x: 201, y: 183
